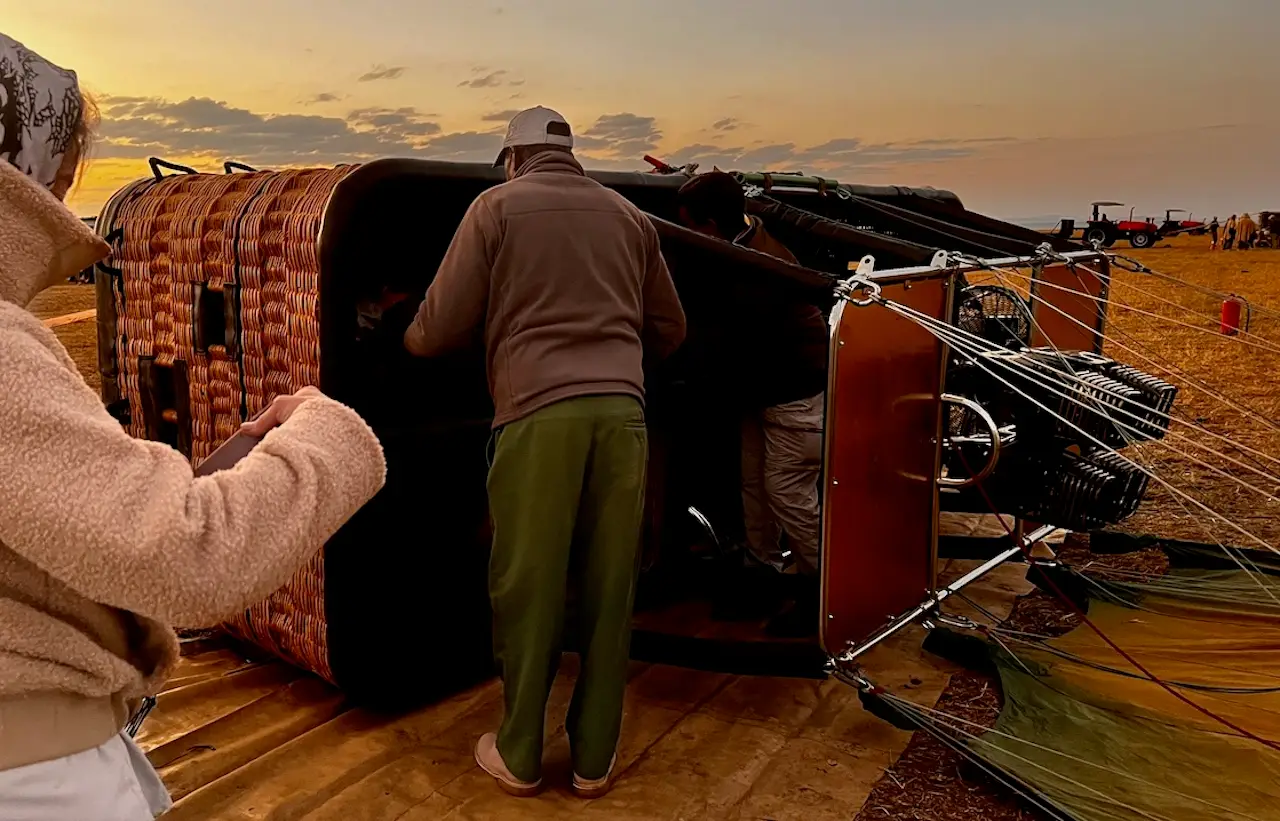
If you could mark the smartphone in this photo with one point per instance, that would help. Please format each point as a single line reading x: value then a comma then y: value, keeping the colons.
x: 228, y: 453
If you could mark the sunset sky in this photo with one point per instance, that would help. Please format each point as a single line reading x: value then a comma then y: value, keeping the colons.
x: 1025, y: 108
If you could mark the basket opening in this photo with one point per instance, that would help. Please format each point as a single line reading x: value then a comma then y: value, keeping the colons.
x: 385, y: 232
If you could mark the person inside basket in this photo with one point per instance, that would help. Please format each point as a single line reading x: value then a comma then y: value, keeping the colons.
x: 107, y: 540
x: 782, y: 430
x: 565, y: 282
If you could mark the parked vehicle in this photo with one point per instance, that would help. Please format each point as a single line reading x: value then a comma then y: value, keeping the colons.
x: 1173, y: 227
x: 1140, y: 233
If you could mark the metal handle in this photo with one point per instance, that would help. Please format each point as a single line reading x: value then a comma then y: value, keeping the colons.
x: 157, y: 164
x: 112, y: 237
x: 981, y: 413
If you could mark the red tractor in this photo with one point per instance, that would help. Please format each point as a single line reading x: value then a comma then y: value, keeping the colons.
x: 1172, y: 227
x: 1140, y: 233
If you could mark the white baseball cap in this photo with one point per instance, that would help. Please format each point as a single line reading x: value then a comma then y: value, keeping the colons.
x: 535, y: 126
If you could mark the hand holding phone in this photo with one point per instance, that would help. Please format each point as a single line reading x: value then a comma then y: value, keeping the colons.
x: 278, y: 412
x: 251, y: 432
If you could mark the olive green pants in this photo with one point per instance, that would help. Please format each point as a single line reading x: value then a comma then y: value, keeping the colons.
x: 568, y: 480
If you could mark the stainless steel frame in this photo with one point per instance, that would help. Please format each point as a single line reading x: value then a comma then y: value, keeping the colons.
x: 854, y: 291
x: 937, y: 597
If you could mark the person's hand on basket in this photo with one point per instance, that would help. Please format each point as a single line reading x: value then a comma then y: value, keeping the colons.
x: 278, y: 412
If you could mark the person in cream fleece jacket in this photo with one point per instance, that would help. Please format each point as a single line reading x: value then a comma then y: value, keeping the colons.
x: 106, y: 540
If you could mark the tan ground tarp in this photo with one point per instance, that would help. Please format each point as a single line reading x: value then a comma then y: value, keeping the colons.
x: 235, y: 740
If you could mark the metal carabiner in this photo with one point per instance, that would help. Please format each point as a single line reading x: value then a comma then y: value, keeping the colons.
x: 860, y: 283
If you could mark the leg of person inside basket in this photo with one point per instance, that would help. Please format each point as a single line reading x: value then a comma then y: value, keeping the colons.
x: 792, y: 462
x: 570, y: 476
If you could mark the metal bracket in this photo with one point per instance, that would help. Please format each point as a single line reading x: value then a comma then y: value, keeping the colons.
x: 860, y: 281
x: 845, y: 291
x: 933, y: 600
x: 939, y: 260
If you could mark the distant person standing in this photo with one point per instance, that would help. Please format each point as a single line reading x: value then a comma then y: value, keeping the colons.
x: 1231, y: 233
x: 1248, y: 229
x: 565, y: 283
x: 1213, y: 234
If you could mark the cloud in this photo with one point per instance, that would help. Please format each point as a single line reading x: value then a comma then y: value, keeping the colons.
x: 619, y: 136
x: 136, y: 127
x: 466, y: 146
x: 846, y: 155
x: 323, y: 97
x: 726, y: 124
x: 491, y: 79
x: 394, y: 122
x: 203, y: 128
x: 381, y: 72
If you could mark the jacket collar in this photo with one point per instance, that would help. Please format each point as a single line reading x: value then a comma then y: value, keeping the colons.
x: 560, y: 162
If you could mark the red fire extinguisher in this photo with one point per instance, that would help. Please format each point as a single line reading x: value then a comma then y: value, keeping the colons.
x: 1234, y: 309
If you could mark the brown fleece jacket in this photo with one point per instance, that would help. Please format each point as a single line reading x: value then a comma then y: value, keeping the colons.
x: 107, y: 540
x: 565, y: 280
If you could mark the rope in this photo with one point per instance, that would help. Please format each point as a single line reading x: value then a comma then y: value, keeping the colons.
x: 1168, y: 367
x: 1084, y: 618
x: 1170, y: 418
x: 927, y: 321
x: 1025, y: 792
x: 936, y: 716
x: 1185, y: 685
x: 1208, y: 534
x: 1116, y: 598
x: 1268, y: 346
x: 1153, y: 295
x: 1122, y: 428
x: 1236, y: 404
x: 1242, y: 558
x: 1140, y: 268
x: 1109, y: 595
x: 947, y: 329
x: 906, y: 311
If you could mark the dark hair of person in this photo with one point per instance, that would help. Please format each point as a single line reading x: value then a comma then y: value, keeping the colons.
x: 716, y: 198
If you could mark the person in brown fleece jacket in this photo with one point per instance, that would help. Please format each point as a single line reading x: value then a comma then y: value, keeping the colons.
x: 782, y: 436
x: 107, y: 540
x: 565, y: 281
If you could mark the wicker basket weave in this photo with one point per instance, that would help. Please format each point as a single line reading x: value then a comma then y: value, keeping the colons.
x: 252, y: 240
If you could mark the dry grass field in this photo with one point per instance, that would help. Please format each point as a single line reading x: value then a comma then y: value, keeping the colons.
x: 1243, y: 371
x: 1229, y: 387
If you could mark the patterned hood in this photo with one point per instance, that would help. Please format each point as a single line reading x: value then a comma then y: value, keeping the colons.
x: 40, y: 107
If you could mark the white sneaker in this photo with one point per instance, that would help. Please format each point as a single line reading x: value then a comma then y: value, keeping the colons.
x: 596, y: 787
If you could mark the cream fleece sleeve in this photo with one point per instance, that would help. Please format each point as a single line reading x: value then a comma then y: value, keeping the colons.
x: 123, y: 521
